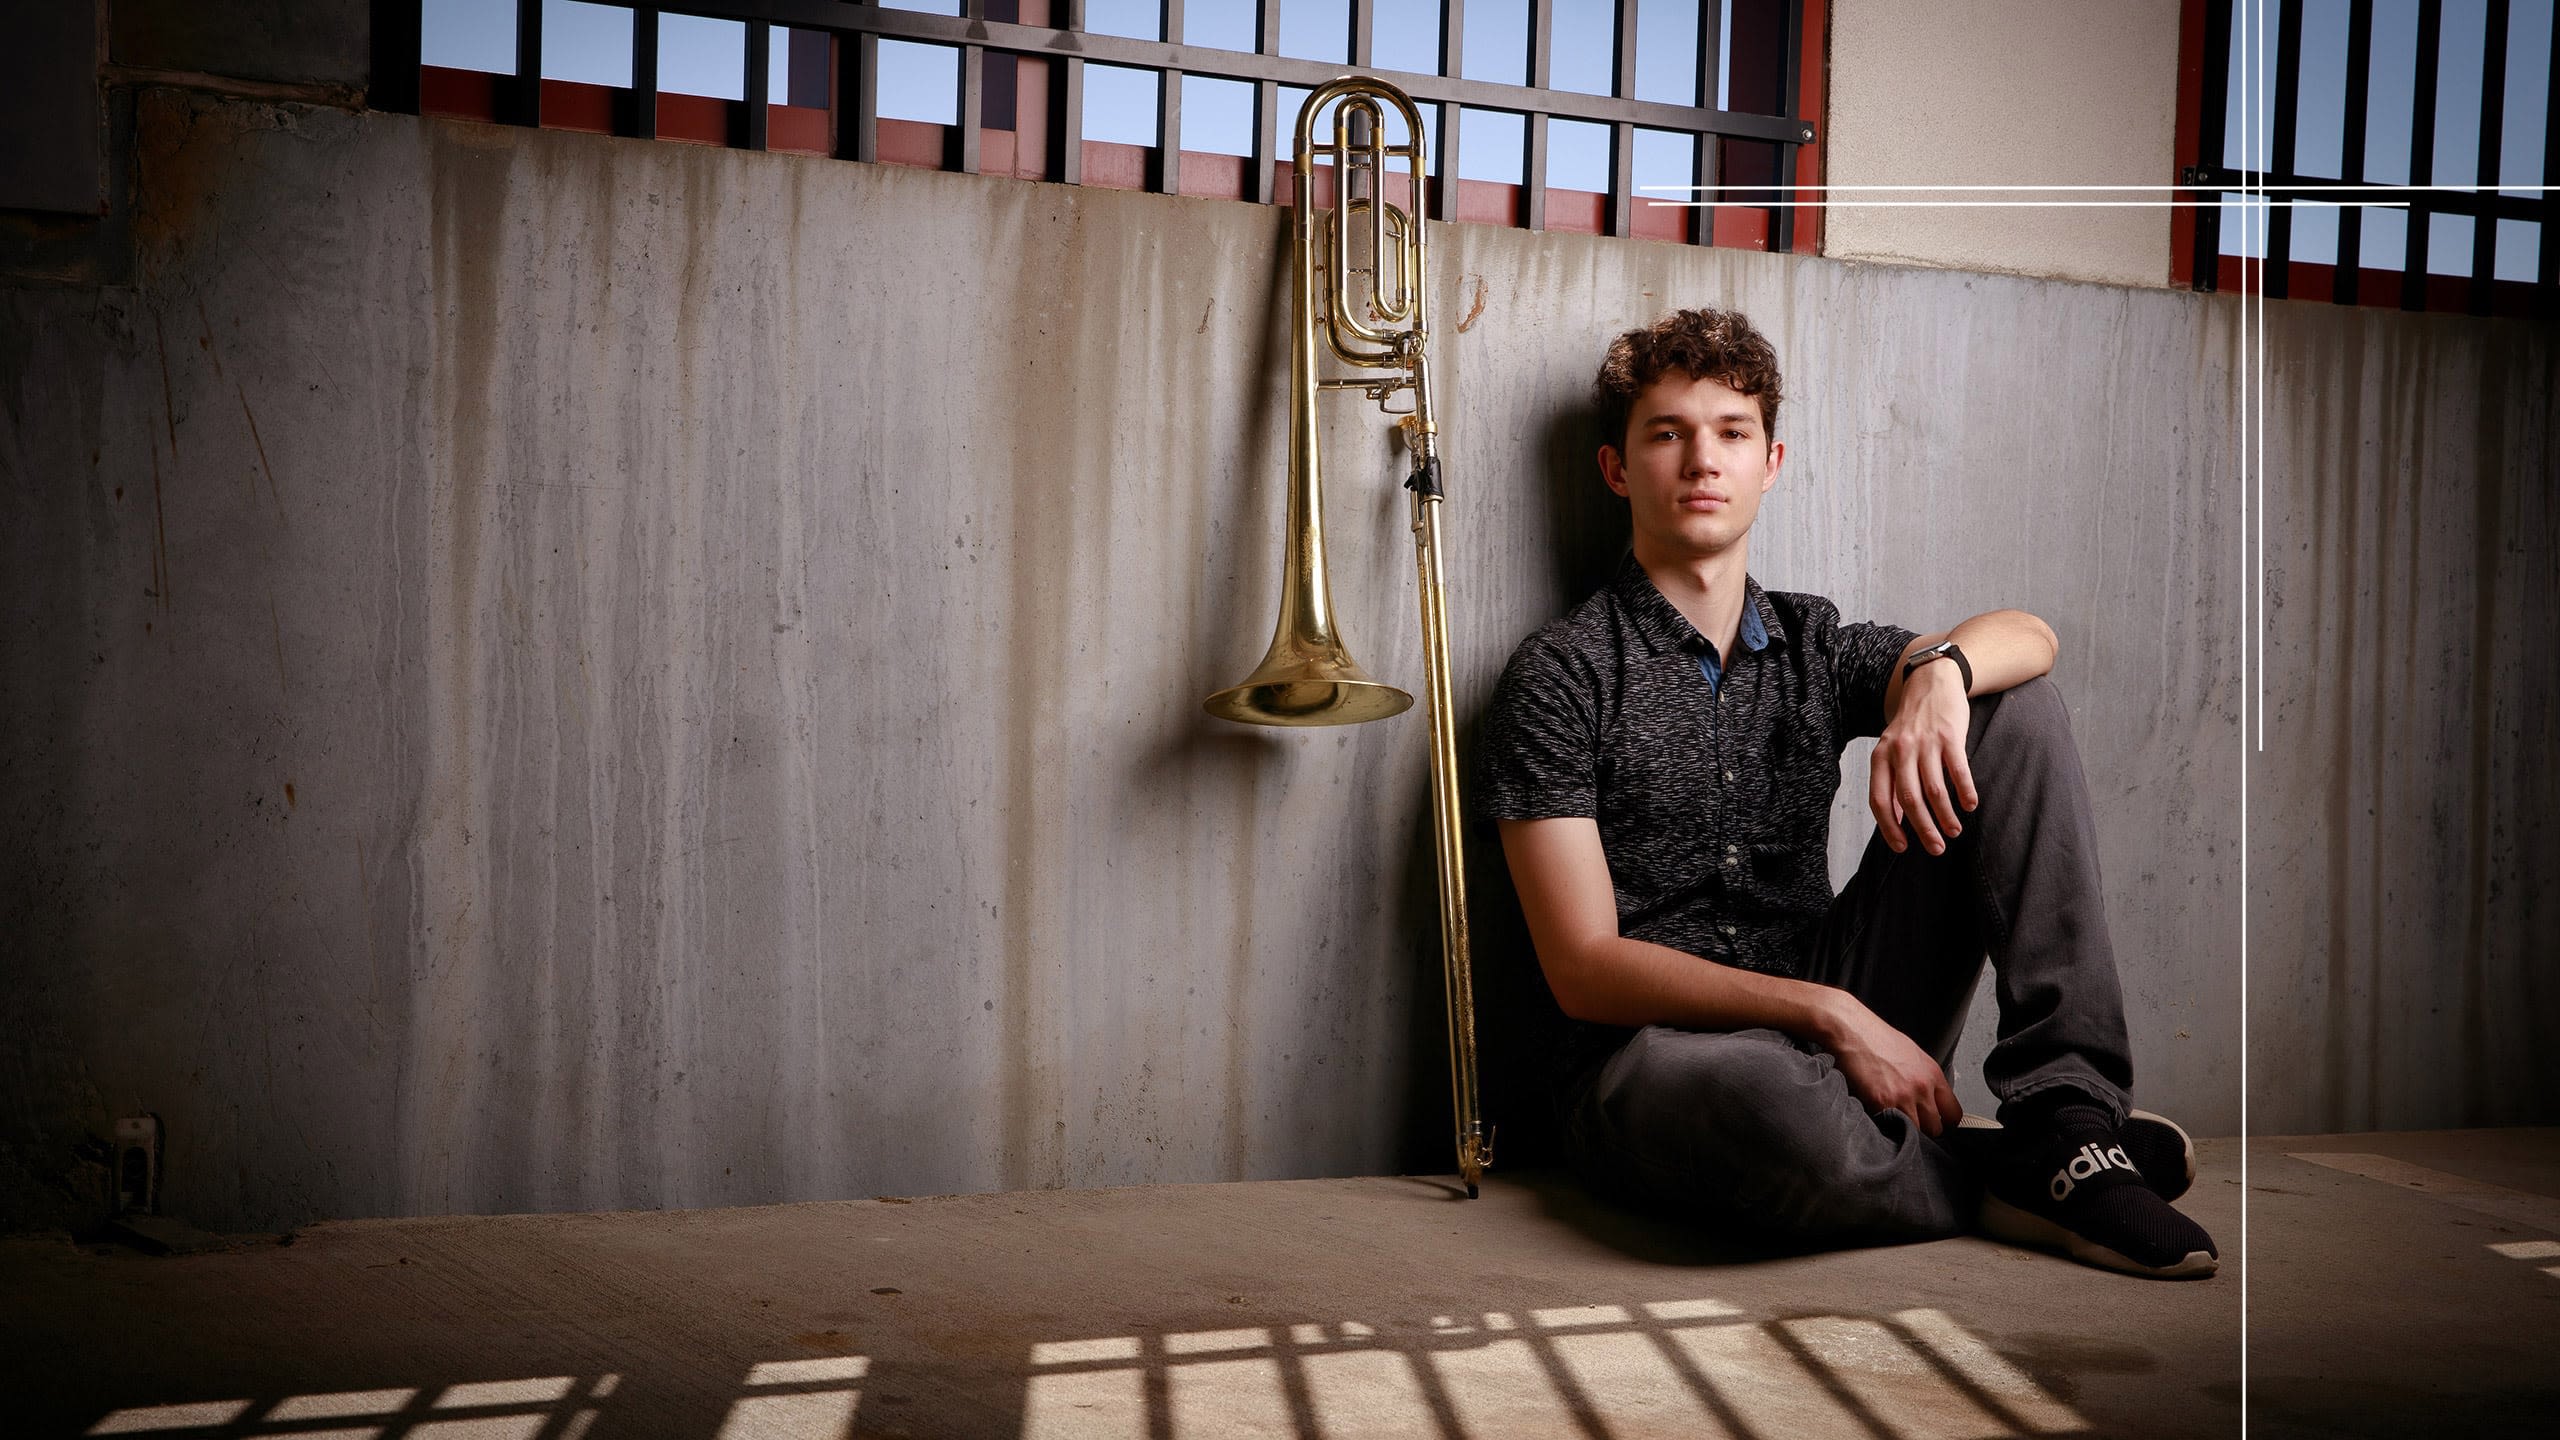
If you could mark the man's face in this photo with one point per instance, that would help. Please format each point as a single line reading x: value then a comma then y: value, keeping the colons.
x: 1697, y: 461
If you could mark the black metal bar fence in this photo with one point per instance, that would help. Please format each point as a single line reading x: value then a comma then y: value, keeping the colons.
x: 2351, y: 150
x: 2422, y: 155
x: 989, y: 28
x: 2438, y: 86
x: 2280, y: 142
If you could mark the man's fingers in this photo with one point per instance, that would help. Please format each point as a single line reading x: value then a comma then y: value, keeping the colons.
x: 1942, y: 806
x: 1880, y: 800
x: 1960, y: 770
x: 1915, y: 805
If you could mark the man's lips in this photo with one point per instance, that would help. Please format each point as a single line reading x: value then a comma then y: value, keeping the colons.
x: 1705, y: 500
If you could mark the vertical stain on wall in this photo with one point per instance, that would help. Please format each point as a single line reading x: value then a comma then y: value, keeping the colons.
x: 2405, y: 409
x: 2489, y: 541
x: 2334, y: 552
x: 1244, y: 868
x: 160, y: 579
x: 445, y: 1073
x: 1046, y: 530
x: 275, y: 625
x: 264, y: 468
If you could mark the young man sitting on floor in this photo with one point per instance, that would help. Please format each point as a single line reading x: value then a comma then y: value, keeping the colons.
x: 1757, y: 1052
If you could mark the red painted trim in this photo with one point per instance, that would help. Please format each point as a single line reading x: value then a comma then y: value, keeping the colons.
x: 458, y: 94
x: 796, y: 129
x: 2182, y: 223
x: 1214, y: 177
x: 1577, y: 212
x: 596, y: 110
x: 2310, y: 283
x: 1490, y: 202
x: 1110, y: 166
x: 1660, y: 222
x: 916, y: 144
x: 694, y: 119
x: 569, y: 105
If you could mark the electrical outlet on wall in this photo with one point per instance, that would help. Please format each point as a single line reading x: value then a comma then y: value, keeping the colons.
x: 137, y: 1166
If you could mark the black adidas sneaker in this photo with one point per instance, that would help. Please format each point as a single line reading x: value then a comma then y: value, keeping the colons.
x: 2078, y: 1191
x: 2161, y: 1151
x: 2158, y: 1148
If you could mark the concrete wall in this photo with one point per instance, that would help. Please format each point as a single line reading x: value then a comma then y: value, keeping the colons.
x: 2405, y: 934
x: 306, y: 42
x: 2002, y: 92
x: 546, y: 671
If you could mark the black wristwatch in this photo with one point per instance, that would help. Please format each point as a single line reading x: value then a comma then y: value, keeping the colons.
x: 1947, y: 649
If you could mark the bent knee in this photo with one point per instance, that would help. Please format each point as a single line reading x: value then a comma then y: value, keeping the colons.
x: 2030, y: 712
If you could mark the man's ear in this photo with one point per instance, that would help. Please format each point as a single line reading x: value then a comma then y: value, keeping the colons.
x: 1613, y: 469
x: 1777, y: 457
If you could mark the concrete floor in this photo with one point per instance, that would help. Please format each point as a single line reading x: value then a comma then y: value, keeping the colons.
x: 2400, y: 1284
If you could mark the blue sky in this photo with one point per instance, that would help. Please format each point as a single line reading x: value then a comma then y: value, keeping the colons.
x: 592, y: 42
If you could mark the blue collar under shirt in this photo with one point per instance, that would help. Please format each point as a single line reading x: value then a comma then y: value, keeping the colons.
x: 1754, y: 637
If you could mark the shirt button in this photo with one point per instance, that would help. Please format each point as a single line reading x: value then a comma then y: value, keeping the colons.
x: 1728, y: 777
x: 1729, y: 860
x: 1728, y: 929
x: 1733, y: 849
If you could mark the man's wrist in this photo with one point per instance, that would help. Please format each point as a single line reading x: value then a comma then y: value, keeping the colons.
x: 1945, y: 655
x: 1827, y: 1014
x: 1920, y: 687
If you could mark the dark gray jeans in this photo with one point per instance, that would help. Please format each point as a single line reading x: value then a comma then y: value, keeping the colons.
x: 1759, y: 1130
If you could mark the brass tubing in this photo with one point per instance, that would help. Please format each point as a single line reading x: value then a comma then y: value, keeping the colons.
x: 1306, y: 678
x: 1475, y: 1151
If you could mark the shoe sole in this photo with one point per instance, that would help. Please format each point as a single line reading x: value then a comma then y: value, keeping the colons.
x: 2186, y: 1154
x: 2004, y: 1221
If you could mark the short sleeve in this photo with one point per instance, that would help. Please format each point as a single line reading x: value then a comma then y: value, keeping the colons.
x: 1538, y: 755
x: 1862, y: 660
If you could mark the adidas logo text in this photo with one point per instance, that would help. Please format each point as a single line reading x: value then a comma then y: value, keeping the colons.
x: 2088, y: 1162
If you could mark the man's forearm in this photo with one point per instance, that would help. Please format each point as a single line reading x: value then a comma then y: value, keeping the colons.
x: 1617, y: 981
x: 2004, y: 647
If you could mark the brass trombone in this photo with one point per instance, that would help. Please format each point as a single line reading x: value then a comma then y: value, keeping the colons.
x: 1372, y: 317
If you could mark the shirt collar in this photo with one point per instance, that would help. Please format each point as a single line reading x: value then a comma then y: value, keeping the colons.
x: 1665, y: 629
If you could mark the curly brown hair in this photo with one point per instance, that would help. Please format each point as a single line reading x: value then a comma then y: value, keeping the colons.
x: 1707, y: 344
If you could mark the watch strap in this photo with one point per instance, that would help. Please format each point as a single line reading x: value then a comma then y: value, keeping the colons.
x: 1947, y: 649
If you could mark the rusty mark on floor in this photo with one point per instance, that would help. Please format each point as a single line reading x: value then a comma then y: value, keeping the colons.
x: 1204, y: 316
x: 277, y: 626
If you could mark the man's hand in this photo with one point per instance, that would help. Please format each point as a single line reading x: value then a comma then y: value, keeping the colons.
x: 1918, y: 774
x: 1886, y: 1070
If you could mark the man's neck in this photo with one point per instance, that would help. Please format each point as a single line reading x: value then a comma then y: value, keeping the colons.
x: 1707, y: 591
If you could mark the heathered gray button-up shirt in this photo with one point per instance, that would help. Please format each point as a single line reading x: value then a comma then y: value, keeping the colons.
x: 1713, y: 796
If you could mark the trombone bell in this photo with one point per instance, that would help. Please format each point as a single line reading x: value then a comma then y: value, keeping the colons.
x: 1295, y: 687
